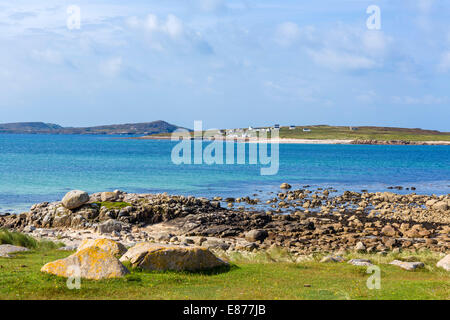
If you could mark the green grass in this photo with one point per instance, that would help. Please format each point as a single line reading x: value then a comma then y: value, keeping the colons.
x: 20, y: 278
x: 113, y: 205
x: 364, y: 133
x: 23, y: 240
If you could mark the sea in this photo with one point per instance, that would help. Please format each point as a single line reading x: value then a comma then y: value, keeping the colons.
x: 38, y: 168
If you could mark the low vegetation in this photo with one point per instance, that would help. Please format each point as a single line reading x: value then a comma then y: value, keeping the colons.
x: 113, y: 205
x: 23, y: 240
x: 251, y: 276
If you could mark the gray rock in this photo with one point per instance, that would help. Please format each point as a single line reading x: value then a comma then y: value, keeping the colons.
x: 74, y: 199
x: 360, y: 262
x: 407, y: 265
x: 109, y: 196
x: 68, y: 248
x: 110, y: 226
x: 6, y: 249
x: 444, y: 263
x: 256, y: 235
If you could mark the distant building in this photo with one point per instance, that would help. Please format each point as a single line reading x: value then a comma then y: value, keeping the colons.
x: 276, y: 126
x: 353, y: 129
x: 291, y: 127
x: 250, y: 128
x: 306, y: 130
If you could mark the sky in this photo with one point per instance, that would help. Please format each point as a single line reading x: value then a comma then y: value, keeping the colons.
x: 233, y: 63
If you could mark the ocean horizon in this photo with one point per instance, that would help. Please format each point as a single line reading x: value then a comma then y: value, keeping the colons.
x: 38, y: 168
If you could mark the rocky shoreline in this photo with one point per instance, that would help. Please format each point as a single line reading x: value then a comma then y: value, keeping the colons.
x: 315, y: 221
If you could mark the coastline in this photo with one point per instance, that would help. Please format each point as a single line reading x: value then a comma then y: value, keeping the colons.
x: 310, y: 141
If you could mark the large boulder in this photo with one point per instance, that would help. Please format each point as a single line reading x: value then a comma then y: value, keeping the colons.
x: 92, y: 262
x: 75, y: 199
x: 151, y: 256
x: 110, y: 246
x: 444, y: 263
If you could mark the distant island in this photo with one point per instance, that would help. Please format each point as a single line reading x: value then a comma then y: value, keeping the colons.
x: 325, y: 134
x: 145, y: 128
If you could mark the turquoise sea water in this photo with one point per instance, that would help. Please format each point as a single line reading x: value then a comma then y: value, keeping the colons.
x: 36, y: 168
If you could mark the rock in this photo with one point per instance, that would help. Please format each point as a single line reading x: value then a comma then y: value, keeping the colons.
x: 441, y: 205
x: 388, y: 231
x: 407, y: 265
x: 285, y: 186
x: 256, y: 235
x: 360, y: 262
x: 360, y: 247
x: 109, y: 196
x: 110, y: 246
x: 93, y: 263
x: 444, y: 263
x: 6, y: 249
x: 151, y: 256
x: 332, y: 259
x: 74, y: 199
x: 109, y: 226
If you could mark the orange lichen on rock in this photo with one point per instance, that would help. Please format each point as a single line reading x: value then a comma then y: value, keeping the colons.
x: 89, y: 263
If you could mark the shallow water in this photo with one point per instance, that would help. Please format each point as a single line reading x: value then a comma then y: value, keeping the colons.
x: 36, y: 168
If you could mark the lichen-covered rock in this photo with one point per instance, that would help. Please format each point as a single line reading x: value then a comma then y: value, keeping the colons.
x: 110, y: 246
x: 92, y: 263
x: 74, y: 199
x: 444, y: 263
x: 360, y: 262
x: 151, y: 256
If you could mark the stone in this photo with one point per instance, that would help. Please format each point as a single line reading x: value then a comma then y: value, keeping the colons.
x: 256, y: 235
x: 75, y: 199
x: 332, y: 259
x: 441, y: 205
x: 361, y: 262
x: 407, y: 265
x: 109, y: 226
x: 109, y: 196
x: 285, y: 186
x: 388, y: 231
x: 151, y: 256
x: 360, y: 247
x: 444, y: 263
x: 110, y: 246
x: 6, y: 249
x: 92, y: 262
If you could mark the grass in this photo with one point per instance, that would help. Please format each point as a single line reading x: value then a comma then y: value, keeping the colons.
x: 324, y: 132
x: 23, y: 240
x: 113, y: 205
x: 364, y: 133
x: 252, y: 276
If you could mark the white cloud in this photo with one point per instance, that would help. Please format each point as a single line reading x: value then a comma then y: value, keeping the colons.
x: 287, y: 33
x: 338, y: 60
x: 172, y: 26
x: 111, y: 67
x: 211, y: 5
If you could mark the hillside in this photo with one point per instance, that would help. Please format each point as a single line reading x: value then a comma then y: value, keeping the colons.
x: 145, y: 128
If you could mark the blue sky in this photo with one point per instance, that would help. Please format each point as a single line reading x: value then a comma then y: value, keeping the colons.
x: 229, y: 63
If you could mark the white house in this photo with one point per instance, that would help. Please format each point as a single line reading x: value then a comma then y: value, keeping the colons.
x: 306, y: 130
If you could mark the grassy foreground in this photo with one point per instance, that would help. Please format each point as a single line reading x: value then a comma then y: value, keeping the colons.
x: 20, y: 278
